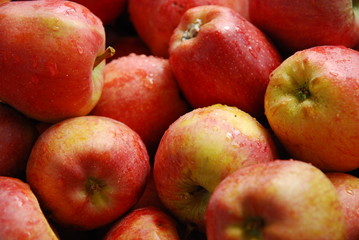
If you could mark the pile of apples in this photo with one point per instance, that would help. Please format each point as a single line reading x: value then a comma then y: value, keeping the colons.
x: 179, y: 119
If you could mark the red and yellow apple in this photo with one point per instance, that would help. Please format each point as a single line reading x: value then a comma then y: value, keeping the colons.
x: 141, y: 92
x: 21, y: 216
x: 199, y: 150
x: 312, y: 106
x: 282, y: 199
x: 347, y: 187
x: 144, y: 223
x: 50, y: 58
x: 87, y: 171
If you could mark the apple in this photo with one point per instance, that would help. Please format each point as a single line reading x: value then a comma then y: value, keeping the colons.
x: 141, y: 92
x: 303, y: 24
x: 347, y: 187
x: 217, y: 56
x: 51, y: 56
x: 155, y: 20
x: 281, y: 199
x: 107, y: 10
x: 312, y: 106
x: 199, y: 150
x: 18, y: 134
x: 87, y: 171
x: 144, y: 223
x: 20, y: 214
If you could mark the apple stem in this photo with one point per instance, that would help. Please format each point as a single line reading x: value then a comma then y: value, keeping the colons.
x: 109, y: 52
x: 192, y: 30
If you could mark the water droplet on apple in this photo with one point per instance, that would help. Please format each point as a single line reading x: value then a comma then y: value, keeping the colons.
x: 55, y: 28
x: 80, y: 49
x: 52, y: 67
x: 229, y: 136
x: 252, y: 52
x: 349, y: 190
x: 149, y: 81
x: 333, y: 74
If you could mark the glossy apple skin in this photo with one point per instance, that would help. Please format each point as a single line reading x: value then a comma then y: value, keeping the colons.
x: 303, y: 24
x: 125, y: 79
x: 87, y: 171
x: 312, y: 106
x: 155, y: 20
x: 47, y: 54
x: 107, y: 10
x: 275, y: 200
x: 21, y: 216
x: 227, y: 62
x: 199, y: 150
x: 144, y: 223
x: 18, y: 134
x: 347, y: 187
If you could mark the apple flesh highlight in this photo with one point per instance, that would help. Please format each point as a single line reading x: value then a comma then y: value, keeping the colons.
x: 281, y: 199
x: 311, y: 104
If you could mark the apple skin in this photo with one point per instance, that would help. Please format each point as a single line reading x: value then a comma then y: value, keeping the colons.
x: 312, y: 106
x: 144, y: 223
x: 347, y: 187
x: 127, y: 78
x: 87, y: 171
x: 227, y: 62
x: 21, y: 216
x: 155, y: 20
x: 18, y: 135
x: 107, y: 10
x: 199, y: 150
x: 282, y: 199
x: 303, y: 24
x: 47, y: 58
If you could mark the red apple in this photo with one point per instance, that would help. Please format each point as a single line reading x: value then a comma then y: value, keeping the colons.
x: 20, y: 214
x: 312, y: 106
x: 88, y: 171
x: 276, y: 200
x: 144, y: 223
x: 107, y: 10
x: 199, y: 150
x: 217, y: 56
x: 18, y: 134
x: 141, y: 92
x: 303, y: 24
x: 49, y: 62
x: 155, y: 20
x: 347, y: 187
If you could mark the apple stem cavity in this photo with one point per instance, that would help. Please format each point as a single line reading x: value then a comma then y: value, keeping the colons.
x: 109, y: 52
x: 95, y: 188
x: 303, y: 93
x: 253, y: 228
x: 192, y: 30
